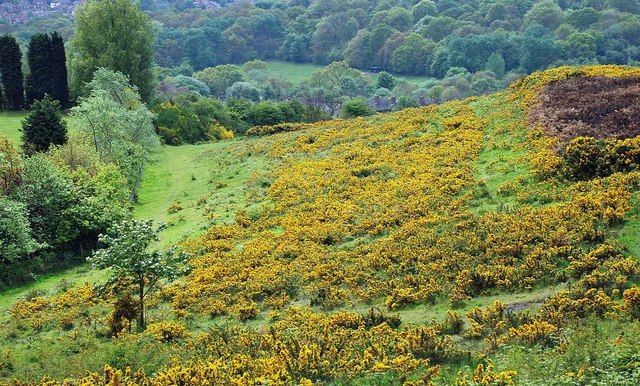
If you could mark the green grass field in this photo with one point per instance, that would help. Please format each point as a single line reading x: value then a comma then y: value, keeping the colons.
x: 292, y: 72
x: 296, y: 72
x: 10, y: 124
x: 208, y: 181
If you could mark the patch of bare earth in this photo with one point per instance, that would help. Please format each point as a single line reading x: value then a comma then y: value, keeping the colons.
x: 598, y: 107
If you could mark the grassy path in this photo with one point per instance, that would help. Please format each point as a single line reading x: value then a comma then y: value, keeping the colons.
x: 502, y: 159
x: 202, y: 184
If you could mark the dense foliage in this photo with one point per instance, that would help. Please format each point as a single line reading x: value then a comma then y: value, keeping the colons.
x: 420, y: 37
x: 56, y: 205
x: 116, y: 35
x: 43, y: 127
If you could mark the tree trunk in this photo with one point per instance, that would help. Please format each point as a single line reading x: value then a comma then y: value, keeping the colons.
x: 141, y: 321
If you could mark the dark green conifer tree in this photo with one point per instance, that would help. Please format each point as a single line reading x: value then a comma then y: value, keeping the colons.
x: 59, y: 76
x: 38, y: 82
x: 43, y: 127
x: 11, y: 72
x: 2, y: 101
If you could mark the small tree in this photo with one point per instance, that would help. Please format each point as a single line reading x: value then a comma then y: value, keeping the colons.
x: 356, y: 107
x: 43, y: 127
x: 128, y: 255
x: 10, y: 165
x: 386, y: 80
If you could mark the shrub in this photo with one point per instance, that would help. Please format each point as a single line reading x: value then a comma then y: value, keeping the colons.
x: 586, y: 157
x: 356, y: 107
x: 217, y: 132
x: 582, y: 157
x: 375, y: 318
x: 125, y: 310
x: 453, y: 324
x: 264, y: 113
x: 175, y: 207
x: 247, y: 311
x: 177, y: 124
x: 16, y: 242
x: 43, y: 127
x: 487, y: 376
x: 539, y: 332
x: 631, y: 302
x: 279, y: 128
x: 167, y: 331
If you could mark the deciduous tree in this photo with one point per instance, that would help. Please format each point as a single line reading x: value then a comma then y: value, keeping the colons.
x: 119, y: 124
x: 114, y: 34
x: 128, y: 256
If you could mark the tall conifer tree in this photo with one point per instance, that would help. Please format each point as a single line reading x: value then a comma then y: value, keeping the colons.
x: 11, y: 72
x: 2, y: 101
x: 38, y: 82
x: 59, y: 76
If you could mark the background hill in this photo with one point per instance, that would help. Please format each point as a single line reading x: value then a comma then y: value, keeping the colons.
x: 466, y: 242
x: 498, y: 41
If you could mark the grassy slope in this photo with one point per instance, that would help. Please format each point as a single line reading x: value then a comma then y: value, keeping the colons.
x: 201, y: 178
x: 217, y: 179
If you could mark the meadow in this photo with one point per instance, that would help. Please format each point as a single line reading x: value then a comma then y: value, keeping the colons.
x: 297, y: 72
x: 10, y: 124
x: 446, y: 244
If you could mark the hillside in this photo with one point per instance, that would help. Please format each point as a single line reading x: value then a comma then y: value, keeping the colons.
x: 480, y: 241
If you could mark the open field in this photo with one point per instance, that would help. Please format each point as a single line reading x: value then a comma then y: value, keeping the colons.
x: 10, y: 124
x: 296, y: 72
